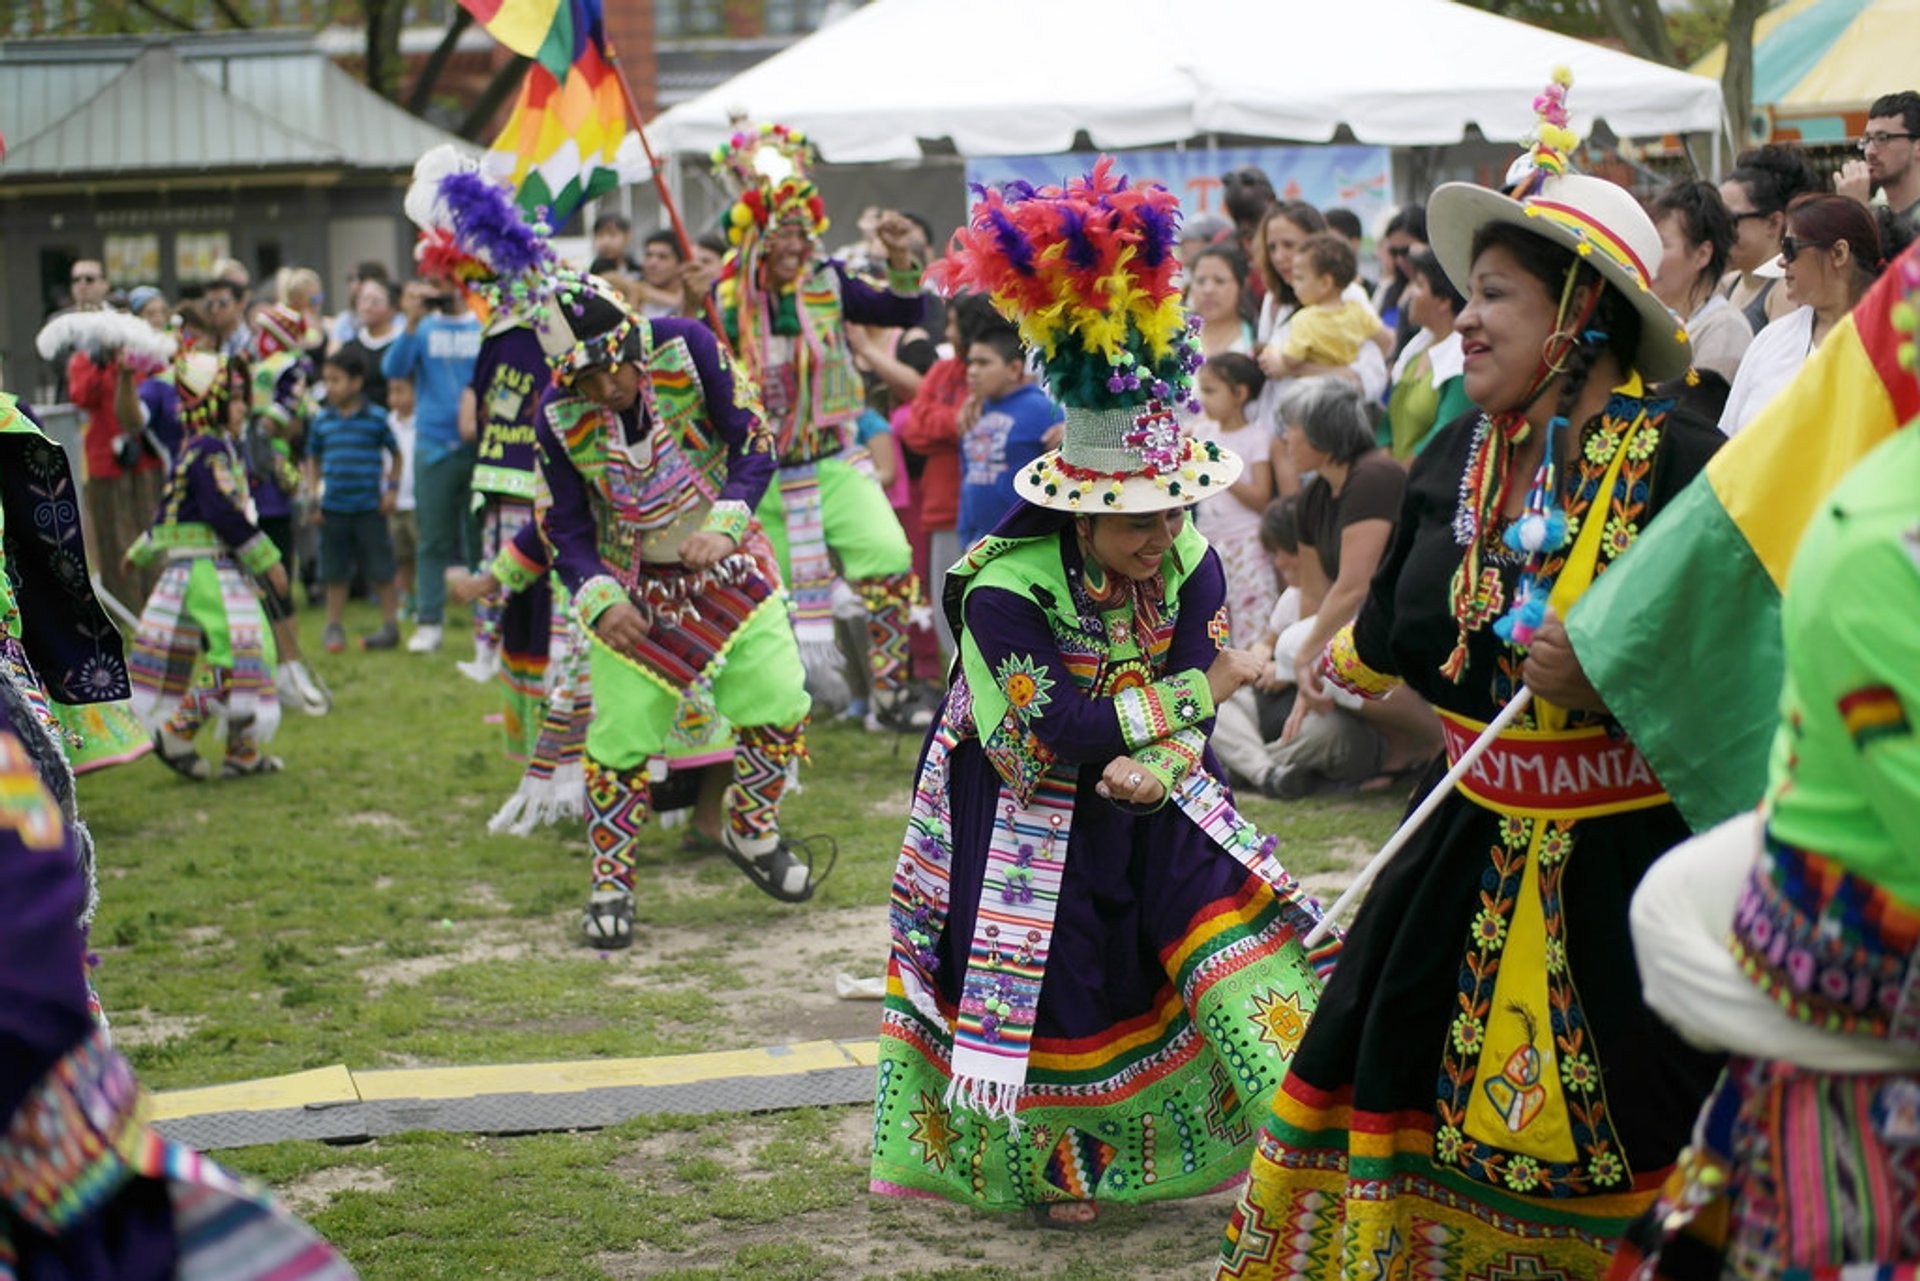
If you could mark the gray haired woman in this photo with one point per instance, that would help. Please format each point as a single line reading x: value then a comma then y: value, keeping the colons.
x: 1347, y: 514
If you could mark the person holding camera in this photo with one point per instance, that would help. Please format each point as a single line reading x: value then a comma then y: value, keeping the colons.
x: 437, y: 352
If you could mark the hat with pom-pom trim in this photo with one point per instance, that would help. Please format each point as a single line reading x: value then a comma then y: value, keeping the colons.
x: 1089, y: 274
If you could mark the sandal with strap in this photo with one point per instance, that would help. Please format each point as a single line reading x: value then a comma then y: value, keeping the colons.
x: 261, y: 764
x: 187, y: 764
x: 608, y: 921
x: 792, y: 870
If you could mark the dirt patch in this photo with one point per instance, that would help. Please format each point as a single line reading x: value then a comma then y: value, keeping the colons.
x: 379, y: 821
x: 874, y: 1237
x: 313, y: 1193
x: 787, y: 965
x: 893, y: 807
x: 480, y: 894
x: 142, y: 1027
x: 414, y: 969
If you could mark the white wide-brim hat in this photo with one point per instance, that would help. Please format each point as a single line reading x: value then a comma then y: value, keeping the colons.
x: 1126, y: 460
x: 1598, y: 220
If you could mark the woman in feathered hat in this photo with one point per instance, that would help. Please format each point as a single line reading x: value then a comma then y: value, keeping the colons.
x: 1483, y: 1092
x: 1097, y: 975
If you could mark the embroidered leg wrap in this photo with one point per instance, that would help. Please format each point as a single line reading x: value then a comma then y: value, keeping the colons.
x: 243, y: 749
x: 760, y: 761
x: 889, y: 603
x: 616, y: 810
x: 205, y: 698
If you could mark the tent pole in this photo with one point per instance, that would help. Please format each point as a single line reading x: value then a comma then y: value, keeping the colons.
x: 660, y: 185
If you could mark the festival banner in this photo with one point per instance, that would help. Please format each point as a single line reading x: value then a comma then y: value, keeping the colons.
x: 1356, y: 178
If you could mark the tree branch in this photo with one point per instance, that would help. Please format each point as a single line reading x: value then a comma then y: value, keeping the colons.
x: 154, y: 11
x: 233, y: 16
x: 436, y: 63
x: 504, y: 84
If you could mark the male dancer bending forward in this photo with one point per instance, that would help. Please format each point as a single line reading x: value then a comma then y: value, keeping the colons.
x: 652, y: 456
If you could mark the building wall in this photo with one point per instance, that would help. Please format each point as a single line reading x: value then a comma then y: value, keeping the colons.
x: 179, y: 226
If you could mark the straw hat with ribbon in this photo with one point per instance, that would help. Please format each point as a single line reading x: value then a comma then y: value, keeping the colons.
x: 1598, y: 220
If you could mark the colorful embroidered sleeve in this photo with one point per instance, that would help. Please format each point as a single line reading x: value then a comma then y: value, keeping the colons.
x: 1149, y: 713
x: 1173, y: 758
x: 1341, y: 664
x: 1007, y: 641
x: 222, y: 507
x: 730, y: 518
x: 597, y: 595
x: 523, y: 561
x: 43, y: 987
x: 563, y: 507
x: 898, y: 306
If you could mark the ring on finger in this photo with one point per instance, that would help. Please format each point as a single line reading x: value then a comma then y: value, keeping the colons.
x: 1133, y: 779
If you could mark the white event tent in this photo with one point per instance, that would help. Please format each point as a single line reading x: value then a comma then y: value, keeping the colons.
x: 1021, y: 77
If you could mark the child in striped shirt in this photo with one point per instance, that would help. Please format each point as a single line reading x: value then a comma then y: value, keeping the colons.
x: 354, y: 458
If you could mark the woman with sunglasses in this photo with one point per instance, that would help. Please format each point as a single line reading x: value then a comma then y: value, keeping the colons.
x: 1763, y: 183
x: 1833, y: 250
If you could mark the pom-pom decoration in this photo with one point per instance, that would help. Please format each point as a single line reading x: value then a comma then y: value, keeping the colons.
x: 1089, y: 274
x: 1551, y: 143
x: 767, y: 171
x: 105, y: 336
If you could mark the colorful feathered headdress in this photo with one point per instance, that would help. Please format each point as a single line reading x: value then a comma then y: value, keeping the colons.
x: 766, y: 169
x: 473, y: 233
x: 1089, y: 274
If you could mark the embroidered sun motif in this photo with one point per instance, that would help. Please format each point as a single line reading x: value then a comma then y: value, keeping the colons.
x: 1281, y: 1020
x: 932, y: 1132
x: 1025, y: 684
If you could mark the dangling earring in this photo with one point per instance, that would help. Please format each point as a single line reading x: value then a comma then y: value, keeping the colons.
x: 1559, y: 345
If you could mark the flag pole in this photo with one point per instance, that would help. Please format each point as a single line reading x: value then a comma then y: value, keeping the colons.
x: 1417, y: 819
x: 660, y: 185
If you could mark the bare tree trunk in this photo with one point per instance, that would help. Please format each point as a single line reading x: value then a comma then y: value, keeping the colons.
x: 1736, y: 81
x: 422, y: 92
x: 1641, y: 27
x: 505, y: 83
x: 384, y: 19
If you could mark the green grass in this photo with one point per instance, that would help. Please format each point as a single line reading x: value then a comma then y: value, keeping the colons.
x: 354, y: 909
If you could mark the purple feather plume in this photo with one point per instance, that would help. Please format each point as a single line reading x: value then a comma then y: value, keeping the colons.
x: 1160, y: 233
x: 1013, y: 242
x: 488, y: 225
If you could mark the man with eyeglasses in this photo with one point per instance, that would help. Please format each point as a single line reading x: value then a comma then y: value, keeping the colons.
x: 90, y: 285
x: 1891, y: 157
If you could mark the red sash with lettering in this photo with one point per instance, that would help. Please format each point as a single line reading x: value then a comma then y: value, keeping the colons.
x: 1563, y: 774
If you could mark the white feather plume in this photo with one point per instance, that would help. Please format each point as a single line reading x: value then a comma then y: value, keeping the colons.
x: 104, y: 335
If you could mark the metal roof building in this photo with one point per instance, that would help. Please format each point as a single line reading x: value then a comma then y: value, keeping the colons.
x: 159, y: 157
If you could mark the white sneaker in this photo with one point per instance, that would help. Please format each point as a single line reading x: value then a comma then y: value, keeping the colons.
x: 483, y: 666
x: 425, y: 639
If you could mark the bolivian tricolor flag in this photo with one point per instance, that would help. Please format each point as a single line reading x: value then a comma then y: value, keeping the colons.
x: 567, y: 140
x: 1682, y: 636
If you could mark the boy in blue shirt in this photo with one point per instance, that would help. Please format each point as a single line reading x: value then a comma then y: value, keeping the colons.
x: 438, y: 351
x: 353, y: 458
x: 1011, y: 429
